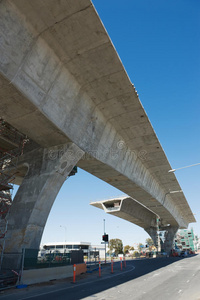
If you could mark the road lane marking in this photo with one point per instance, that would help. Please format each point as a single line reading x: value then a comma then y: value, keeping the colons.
x: 157, y: 274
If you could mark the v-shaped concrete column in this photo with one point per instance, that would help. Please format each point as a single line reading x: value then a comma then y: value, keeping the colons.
x: 169, y: 236
x: 47, y: 171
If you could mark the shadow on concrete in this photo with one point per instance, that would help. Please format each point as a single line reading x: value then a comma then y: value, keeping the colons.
x: 142, y: 267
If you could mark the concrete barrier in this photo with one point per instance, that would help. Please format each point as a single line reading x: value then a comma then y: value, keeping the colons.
x: 47, y: 274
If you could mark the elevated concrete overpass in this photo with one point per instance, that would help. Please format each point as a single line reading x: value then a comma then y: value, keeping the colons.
x: 128, y: 209
x: 64, y: 86
x: 132, y: 211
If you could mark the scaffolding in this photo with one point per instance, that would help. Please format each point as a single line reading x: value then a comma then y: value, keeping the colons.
x: 12, y: 144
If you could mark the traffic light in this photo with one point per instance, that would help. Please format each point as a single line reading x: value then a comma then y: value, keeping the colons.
x: 105, y: 237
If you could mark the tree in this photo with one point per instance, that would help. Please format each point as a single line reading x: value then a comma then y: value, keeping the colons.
x: 126, y: 249
x: 140, y: 247
x: 116, y: 245
x: 132, y: 248
x: 136, y: 254
x: 150, y: 243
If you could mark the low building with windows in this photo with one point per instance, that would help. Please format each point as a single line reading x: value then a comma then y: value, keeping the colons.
x: 66, y: 247
x: 89, y: 251
x: 97, y: 251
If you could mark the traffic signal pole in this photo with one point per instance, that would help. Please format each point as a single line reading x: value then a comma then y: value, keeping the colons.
x: 105, y: 239
x: 104, y: 235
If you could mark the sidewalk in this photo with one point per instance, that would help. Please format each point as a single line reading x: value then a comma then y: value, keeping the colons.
x: 47, y: 287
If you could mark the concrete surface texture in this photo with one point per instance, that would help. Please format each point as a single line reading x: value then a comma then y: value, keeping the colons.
x: 46, y: 274
x: 55, y: 273
x: 47, y: 169
x: 62, y: 81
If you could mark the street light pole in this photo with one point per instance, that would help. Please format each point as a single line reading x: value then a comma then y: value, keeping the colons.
x: 65, y: 236
x: 158, y: 234
x: 173, y: 170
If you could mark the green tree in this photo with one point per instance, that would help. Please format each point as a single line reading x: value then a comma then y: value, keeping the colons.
x: 150, y: 243
x: 132, y: 248
x: 136, y: 254
x: 140, y: 247
x: 116, y: 245
x: 126, y: 249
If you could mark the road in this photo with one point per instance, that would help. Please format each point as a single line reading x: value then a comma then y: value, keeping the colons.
x: 162, y: 278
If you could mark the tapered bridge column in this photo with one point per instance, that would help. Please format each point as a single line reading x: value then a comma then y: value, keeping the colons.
x: 169, y: 237
x: 47, y: 171
x: 152, y: 231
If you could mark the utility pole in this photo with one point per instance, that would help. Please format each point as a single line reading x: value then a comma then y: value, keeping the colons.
x: 65, y: 237
x: 158, y: 235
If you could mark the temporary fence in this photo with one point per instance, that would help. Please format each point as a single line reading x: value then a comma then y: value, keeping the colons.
x: 51, y: 259
x: 9, y: 275
x: 47, y: 260
x: 28, y: 259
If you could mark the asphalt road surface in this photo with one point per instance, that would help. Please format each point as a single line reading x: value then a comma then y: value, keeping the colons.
x: 161, y: 278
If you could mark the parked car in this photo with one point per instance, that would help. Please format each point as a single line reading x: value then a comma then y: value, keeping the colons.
x: 184, y: 254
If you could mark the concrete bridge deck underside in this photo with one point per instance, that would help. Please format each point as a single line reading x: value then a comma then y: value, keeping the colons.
x: 62, y: 81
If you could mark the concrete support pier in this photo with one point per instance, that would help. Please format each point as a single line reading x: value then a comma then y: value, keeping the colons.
x: 169, y: 237
x: 47, y: 169
x: 152, y: 231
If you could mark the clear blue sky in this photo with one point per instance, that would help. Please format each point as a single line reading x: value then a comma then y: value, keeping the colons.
x: 159, y: 45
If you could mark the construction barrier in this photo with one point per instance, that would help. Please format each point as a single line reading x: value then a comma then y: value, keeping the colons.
x: 124, y: 262
x: 74, y: 274
x: 81, y: 268
x: 99, y: 269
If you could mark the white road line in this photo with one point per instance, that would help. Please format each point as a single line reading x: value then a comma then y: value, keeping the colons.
x: 157, y: 274
x: 72, y: 287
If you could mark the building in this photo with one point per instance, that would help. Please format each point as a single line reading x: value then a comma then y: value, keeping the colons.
x: 186, y: 240
x: 98, y: 251
x: 198, y: 245
x: 66, y: 247
x: 89, y: 251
